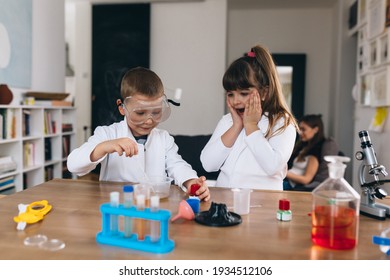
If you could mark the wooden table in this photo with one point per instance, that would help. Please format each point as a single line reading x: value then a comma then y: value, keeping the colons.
x: 76, y: 219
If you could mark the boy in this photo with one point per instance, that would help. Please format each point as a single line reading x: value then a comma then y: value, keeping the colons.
x: 134, y: 148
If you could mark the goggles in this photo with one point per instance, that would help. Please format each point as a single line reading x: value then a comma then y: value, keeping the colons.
x: 139, y: 111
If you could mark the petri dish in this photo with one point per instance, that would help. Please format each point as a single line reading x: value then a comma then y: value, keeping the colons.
x: 52, y: 245
x: 35, y: 240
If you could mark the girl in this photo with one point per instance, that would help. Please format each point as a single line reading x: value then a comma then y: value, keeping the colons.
x: 252, y: 144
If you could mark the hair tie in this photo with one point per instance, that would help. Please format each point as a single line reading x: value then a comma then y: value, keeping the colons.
x: 251, y: 54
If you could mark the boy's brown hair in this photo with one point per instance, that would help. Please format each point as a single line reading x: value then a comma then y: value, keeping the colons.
x: 142, y: 81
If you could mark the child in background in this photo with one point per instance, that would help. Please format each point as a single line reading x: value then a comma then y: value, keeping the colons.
x: 253, y: 143
x: 135, y: 148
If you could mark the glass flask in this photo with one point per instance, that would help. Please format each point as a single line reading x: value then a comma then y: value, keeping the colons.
x: 335, y: 210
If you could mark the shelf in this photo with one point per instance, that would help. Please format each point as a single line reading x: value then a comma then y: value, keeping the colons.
x: 35, y: 128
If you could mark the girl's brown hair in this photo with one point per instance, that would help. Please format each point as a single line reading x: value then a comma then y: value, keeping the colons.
x: 302, y: 149
x: 257, y: 69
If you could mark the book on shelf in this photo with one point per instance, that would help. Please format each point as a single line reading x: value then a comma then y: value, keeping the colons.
x: 29, y: 154
x: 8, y: 190
x: 47, y: 149
x: 49, y: 124
x: 67, y: 127
x: 65, y: 146
x: 26, y: 122
x: 7, y: 183
x: 8, y: 123
x: 7, y: 164
x: 49, y: 173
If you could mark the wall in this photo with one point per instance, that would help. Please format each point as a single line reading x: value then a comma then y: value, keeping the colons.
x: 48, y: 49
x: 78, y: 35
x: 188, y: 51
x: 342, y: 81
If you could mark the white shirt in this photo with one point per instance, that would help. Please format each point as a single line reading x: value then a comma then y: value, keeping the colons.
x: 157, y: 157
x: 253, y: 161
x: 299, y: 168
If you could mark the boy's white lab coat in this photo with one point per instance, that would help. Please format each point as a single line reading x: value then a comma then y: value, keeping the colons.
x: 253, y: 161
x: 157, y: 157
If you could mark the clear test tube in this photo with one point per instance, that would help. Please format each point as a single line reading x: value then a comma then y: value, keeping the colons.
x: 114, y: 202
x: 140, y: 223
x: 128, y: 193
x: 155, y: 225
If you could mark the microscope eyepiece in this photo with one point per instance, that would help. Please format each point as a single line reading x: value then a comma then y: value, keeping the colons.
x: 367, y: 148
x: 365, y: 141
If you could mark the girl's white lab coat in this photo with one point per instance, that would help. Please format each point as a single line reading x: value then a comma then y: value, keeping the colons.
x: 157, y: 157
x: 253, y: 161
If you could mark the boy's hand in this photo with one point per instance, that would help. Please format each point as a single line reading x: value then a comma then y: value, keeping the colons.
x: 203, y: 192
x: 121, y: 146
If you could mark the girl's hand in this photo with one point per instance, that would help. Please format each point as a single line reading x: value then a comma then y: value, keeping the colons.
x: 253, y: 112
x: 237, y: 120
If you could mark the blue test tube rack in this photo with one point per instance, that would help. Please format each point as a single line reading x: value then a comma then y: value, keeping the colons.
x: 162, y: 245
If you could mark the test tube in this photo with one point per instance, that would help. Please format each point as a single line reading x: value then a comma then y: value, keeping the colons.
x: 155, y: 225
x: 114, y: 202
x: 127, y: 203
x: 140, y: 223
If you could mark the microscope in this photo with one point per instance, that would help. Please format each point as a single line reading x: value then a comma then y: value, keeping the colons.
x: 371, y: 190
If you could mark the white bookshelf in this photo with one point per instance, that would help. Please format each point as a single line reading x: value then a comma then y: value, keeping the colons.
x: 33, y: 170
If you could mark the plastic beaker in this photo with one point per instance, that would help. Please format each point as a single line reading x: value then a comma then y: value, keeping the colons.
x: 241, y: 201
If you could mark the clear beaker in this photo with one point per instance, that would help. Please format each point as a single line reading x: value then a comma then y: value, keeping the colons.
x: 241, y: 201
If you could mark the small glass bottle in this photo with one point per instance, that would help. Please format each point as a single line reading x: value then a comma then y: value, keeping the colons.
x: 335, y: 211
x: 284, y: 213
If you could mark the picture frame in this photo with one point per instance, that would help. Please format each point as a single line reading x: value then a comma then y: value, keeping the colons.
x: 364, y: 90
x: 380, y: 92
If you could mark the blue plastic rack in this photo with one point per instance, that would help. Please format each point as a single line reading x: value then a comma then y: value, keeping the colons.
x: 106, y: 236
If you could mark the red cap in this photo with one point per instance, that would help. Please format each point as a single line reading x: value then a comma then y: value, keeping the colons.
x: 194, y: 188
x: 284, y: 204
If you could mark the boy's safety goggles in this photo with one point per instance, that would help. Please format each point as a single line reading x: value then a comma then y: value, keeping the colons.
x: 139, y: 111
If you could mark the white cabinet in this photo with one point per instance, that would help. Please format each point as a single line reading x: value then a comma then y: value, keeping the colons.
x: 39, y: 140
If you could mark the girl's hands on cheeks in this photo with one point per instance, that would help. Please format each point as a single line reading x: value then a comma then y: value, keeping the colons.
x: 203, y: 193
x: 253, y: 112
x: 237, y: 120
